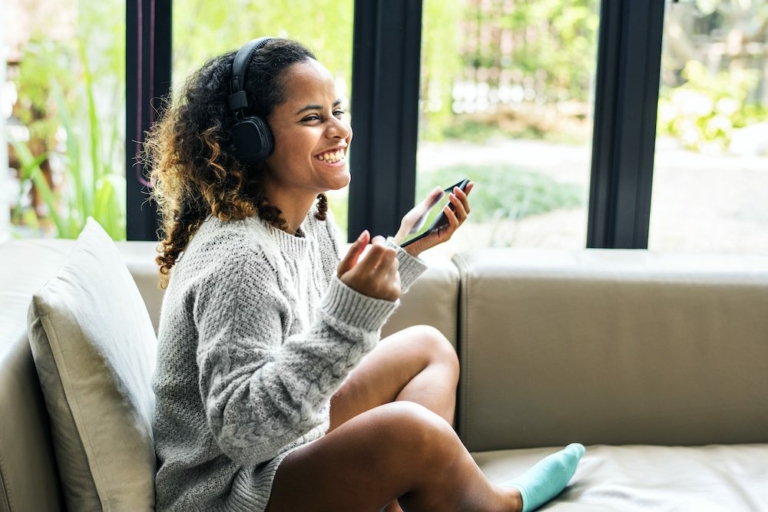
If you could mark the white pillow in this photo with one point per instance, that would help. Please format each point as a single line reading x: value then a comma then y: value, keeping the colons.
x: 95, y: 350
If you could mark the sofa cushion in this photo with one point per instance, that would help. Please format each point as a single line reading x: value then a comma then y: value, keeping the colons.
x: 714, y: 478
x: 94, y: 350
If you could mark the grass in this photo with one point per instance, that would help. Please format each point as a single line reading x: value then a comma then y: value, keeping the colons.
x: 504, y: 191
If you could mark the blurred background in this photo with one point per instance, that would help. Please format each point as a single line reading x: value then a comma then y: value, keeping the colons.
x: 506, y: 98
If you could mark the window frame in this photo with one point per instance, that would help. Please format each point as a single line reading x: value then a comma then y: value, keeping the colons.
x: 384, y: 104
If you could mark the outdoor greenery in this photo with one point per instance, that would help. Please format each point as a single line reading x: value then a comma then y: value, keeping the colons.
x: 533, y: 61
x: 71, y: 101
x: 545, y: 50
x: 505, y: 191
x: 96, y: 189
x: 704, y: 112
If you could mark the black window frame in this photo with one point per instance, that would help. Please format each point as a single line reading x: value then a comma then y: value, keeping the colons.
x: 384, y: 104
x: 148, y: 79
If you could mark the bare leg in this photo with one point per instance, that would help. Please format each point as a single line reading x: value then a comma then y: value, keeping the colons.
x: 407, y: 451
x: 396, y: 451
x: 416, y: 364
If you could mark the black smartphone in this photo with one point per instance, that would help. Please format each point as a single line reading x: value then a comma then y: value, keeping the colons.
x: 434, y: 218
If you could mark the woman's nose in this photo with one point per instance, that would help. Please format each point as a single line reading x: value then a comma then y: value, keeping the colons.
x: 339, y: 129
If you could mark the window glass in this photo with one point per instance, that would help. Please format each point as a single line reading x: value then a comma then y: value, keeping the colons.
x: 203, y: 29
x: 506, y: 100
x: 64, y: 106
x: 710, y: 183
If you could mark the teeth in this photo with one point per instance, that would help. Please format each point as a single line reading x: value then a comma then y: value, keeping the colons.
x: 332, y: 157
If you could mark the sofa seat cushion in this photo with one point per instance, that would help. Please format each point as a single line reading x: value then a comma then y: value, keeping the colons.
x: 94, y: 350
x: 641, y: 478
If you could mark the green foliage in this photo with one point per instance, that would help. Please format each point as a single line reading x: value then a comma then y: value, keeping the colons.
x: 553, y: 50
x: 324, y: 26
x: 504, y: 191
x: 440, y: 63
x: 94, y: 188
x: 40, y: 61
x: 704, y: 111
x: 72, y: 100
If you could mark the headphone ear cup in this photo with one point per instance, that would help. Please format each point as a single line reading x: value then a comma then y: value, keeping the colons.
x: 253, y: 140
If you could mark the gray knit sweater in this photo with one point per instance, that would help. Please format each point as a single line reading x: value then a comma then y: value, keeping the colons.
x: 256, y: 334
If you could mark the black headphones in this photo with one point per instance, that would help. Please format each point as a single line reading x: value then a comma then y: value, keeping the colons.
x: 252, y: 136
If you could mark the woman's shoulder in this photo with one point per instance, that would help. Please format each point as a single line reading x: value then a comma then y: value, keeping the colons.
x: 224, y: 244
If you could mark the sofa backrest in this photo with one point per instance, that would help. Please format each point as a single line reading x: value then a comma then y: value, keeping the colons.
x: 612, y: 347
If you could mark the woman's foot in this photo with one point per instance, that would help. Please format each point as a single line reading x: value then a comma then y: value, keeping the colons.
x: 548, y: 477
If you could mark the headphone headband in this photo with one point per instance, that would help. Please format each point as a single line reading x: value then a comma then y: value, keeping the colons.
x: 237, y: 98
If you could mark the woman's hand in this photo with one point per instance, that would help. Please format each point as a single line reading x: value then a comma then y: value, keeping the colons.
x: 456, y: 213
x: 374, y: 274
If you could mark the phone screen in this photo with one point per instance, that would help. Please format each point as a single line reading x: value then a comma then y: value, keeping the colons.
x: 434, y: 217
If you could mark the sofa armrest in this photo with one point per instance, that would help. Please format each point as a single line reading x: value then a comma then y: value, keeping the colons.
x: 612, y: 347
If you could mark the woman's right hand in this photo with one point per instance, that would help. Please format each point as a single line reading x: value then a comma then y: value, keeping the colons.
x: 374, y: 274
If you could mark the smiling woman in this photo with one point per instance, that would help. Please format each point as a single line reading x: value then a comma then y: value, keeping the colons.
x: 311, y: 141
x: 263, y: 398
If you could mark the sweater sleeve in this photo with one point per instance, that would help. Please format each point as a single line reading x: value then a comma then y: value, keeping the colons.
x: 262, y: 386
x: 410, y: 267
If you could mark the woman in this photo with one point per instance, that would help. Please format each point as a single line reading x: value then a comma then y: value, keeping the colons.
x: 265, y: 400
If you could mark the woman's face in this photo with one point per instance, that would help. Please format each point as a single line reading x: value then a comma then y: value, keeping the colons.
x: 311, y: 137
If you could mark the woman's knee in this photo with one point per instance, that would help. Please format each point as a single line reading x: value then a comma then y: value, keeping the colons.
x: 436, y: 347
x: 415, y: 432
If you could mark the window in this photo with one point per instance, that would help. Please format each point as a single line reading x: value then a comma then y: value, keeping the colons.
x: 710, y: 185
x: 64, y: 108
x: 506, y: 100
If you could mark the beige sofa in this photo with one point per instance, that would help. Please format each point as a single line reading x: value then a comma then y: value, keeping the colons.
x: 657, y: 363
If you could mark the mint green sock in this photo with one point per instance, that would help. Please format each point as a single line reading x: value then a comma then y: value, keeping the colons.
x: 548, y: 477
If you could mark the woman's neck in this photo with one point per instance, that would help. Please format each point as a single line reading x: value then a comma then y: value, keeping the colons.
x: 294, y: 207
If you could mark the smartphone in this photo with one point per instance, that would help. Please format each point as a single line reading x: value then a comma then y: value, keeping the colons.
x: 434, y: 218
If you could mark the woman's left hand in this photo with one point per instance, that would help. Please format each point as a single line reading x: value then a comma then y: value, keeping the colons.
x: 456, y: 213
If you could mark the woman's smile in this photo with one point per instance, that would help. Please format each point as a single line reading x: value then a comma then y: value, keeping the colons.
x: 335, y: 157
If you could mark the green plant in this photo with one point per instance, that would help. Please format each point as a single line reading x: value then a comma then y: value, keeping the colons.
x: 704, y: 111
x: 92, y: 188
x: 505, y: 192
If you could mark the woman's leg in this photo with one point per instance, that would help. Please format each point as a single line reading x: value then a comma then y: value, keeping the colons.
x: 417, y: 364
x: 391, y: 440
x: 399, y: 451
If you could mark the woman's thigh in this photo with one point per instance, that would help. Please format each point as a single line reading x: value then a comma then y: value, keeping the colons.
x: 383, y: 373
x: 365, y: 464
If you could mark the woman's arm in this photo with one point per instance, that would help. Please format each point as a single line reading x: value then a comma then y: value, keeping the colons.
x: 410, y: 267
x: 264, y: 386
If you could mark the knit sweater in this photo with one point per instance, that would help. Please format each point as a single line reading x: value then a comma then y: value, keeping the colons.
x: 256, y: 334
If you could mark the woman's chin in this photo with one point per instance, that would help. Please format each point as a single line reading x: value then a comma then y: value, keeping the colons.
x: 339, y: 181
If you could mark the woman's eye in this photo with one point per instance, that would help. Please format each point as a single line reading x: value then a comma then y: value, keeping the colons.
x: 338, y: 113
x: 313, y: 117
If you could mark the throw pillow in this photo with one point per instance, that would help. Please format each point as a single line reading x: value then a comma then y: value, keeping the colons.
x: 94, y: 348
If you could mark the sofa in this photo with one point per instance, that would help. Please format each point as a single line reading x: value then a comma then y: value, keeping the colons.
x: 657, y: 363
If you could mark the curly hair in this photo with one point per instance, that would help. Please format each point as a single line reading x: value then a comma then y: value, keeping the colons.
x: 190, y: 150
